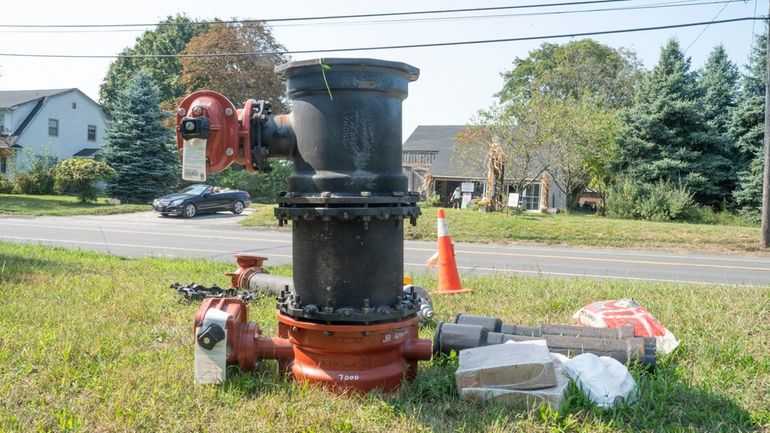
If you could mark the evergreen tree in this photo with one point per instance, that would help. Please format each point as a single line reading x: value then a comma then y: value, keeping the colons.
x: 138, y: 145
x: 747, y: 125
x: 718, y: 86
x: 666, y: 137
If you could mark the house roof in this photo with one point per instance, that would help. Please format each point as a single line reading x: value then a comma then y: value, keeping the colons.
x: 449, y: 162
x: 87, y: 152
x: 12, y: 98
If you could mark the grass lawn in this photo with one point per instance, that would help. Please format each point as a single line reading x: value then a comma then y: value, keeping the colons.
x: 97, y: 343
x: 579, y: 230
x: 60, y: 205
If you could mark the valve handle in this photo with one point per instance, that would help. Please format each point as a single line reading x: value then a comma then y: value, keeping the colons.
x: 209, y: 337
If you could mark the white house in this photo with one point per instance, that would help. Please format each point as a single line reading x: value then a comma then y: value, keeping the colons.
x: 66, y: 122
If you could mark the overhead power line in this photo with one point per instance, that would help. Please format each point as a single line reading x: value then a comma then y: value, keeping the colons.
x: 664, y: 5
x: 389, y: 47
x: 323, y: 17
x: 706, y: 28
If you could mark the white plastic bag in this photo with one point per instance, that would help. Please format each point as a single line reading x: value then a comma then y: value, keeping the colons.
x: 604, y: 380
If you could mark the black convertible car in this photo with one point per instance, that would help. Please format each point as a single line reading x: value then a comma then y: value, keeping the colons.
x: 197, y: 199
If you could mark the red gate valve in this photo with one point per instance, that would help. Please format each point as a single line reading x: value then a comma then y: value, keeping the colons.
x: 211, y: 116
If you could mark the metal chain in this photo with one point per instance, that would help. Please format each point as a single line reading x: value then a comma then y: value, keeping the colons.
x: 197, y: 292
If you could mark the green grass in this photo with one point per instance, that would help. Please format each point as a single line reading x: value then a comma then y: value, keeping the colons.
x: 97, y: 343
x: 60, y: 205
x: 577, y: 230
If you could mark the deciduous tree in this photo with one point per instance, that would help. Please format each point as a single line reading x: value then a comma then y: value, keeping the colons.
x: 514, y: 146
x: 575, y: 70
x: 237, y: 77
x: 557, y: 112
x: 170, y: 37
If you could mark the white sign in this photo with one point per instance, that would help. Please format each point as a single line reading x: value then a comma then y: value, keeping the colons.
x: 466, y: 199
x: 194, y: 160
x: 466, y: 187
x: 513, y: 199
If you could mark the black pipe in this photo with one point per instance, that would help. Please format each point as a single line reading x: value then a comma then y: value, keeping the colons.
x: 454, y: 336
x: 347, y: 197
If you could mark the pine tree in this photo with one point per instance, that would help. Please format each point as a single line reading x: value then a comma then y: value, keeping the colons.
x: 138, y: 145
x: 718, y: 86
x: 666, y: 136
x: 747, y: 125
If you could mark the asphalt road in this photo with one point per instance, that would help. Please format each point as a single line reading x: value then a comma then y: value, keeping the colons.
x: 217, y: 237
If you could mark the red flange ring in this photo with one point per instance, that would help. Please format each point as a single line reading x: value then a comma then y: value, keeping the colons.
x: 355, y: 357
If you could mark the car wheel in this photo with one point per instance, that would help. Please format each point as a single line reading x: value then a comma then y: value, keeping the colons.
x: 190, y: 211
x: 238, y: 207
x: 164, y: 215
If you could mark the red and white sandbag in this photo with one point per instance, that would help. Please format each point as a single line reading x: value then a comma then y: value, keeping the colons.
x: 625, y: 312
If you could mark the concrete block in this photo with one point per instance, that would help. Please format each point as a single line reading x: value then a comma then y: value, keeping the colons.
x: 521, y: 399
x: 520, y: 365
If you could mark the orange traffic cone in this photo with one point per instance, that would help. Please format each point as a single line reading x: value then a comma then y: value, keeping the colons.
x: 448, y: 277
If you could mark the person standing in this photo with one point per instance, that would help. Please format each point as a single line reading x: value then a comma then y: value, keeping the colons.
x: 456, y: 197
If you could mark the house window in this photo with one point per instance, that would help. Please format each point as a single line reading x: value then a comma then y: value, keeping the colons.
x: 53, y: 127
x: 2, y: 122
x: 3, y: 164
x: 74, y: 105
x: 91, y: 132
x: 531, y: 197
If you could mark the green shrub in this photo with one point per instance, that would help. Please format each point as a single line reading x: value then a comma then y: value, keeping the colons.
x: 623, y: 199
x: 435, y: 200
x: 43, y: 183
x: 6, y: 186
x: 24, y: 183
x: 79, y: 174
x: 706, y: 215
x: 661, y: 201
x: 666, y: 201
x: 263, y: 187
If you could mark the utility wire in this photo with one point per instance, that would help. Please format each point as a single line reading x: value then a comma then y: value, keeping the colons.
x: 707, y: 27
x: 389, y: 47
x: 685, y: 3
x: 326, y: 17
x: 671, y: 4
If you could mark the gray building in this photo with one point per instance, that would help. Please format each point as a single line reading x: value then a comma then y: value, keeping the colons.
x: 431, y: 161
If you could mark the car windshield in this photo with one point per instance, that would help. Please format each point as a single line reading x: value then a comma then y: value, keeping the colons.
x: 195, y: 189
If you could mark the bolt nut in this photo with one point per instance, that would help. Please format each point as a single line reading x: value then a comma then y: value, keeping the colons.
x: 197, y: 110
x: 228, y: 111
x: 181, y: 111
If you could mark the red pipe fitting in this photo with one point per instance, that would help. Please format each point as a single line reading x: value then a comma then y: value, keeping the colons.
x: 338, y: 357
x: 248, y: 265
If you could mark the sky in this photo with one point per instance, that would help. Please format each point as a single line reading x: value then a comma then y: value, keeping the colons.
x: 455, y: 81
